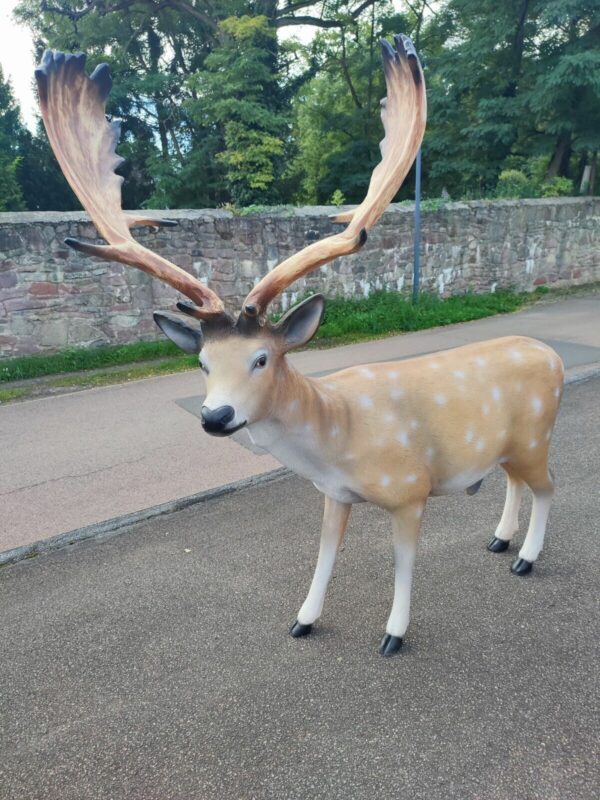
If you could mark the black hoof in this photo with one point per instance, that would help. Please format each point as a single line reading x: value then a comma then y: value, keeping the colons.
x: 521, y: 567
x: 298, y: 629
x: 390, y: 645
x: 498, y: 545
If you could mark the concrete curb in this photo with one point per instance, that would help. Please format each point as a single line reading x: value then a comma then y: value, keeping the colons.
x: 582, y: 374
x: 112, y: 526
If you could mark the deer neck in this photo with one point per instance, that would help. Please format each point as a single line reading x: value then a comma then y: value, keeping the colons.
x: 302, y: 418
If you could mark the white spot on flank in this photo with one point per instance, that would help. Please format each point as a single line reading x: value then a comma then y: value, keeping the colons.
x: 385, y: 480
x: 536, y: 404
x: 480, y: 444
x: 516, y: 356
x: 334, y: 432
x: 293, y: 406
x: 412, y: 478
x: 402, y: 437
x: 548, y: 435
x: 496, y: 394
x: 557, y: 392
x: 365, y: 401
x: 429, y: 453
x: 392, y: 375
x: 553, y: 363
x: 502, y: 434
x: 486, y: 409
x: 441, y: 399
x: 459, y: 374
x: 434, y: 365
x: 414, y: 424
x: 396, y: 394
x: 481, y: 361
x: 469, y: 435
x: 389, y: 417
x: 367, y: 373
x: 419, y: 511
x: 533, y: 444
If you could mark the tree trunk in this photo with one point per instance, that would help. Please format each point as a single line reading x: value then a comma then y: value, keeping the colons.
x: 560, y: 160
x: 517, y: 51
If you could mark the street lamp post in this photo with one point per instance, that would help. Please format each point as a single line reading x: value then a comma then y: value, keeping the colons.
x: 417, y: 234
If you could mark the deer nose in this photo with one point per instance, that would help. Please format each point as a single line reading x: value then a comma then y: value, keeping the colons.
x: 214, y: 420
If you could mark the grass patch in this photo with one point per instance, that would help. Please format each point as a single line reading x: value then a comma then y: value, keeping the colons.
x: 79, y: 358
x: 6, y: 395
x: 178, y: 364
x: 384, y: 313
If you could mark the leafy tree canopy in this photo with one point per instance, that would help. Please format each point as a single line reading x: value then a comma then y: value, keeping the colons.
x: 220, y: 104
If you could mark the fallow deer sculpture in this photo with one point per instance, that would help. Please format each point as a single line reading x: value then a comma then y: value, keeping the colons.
x: 392, y: 434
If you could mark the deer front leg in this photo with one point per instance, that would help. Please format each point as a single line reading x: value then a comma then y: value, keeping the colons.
x: 406, y: 524
x: 335, y: 519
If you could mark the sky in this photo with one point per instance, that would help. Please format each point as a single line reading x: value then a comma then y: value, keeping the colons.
x: 18, y: 63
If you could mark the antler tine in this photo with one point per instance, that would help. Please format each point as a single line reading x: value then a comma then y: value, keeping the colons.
x: 403, y: 113
x: 84, y: 141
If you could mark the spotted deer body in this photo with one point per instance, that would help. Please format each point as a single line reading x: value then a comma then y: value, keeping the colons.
x: 392, y: 434
x: 433, y: 425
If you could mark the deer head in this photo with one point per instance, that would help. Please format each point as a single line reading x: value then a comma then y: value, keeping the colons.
x: 243, y: 357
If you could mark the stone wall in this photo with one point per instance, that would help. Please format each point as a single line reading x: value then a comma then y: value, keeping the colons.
x: 52, y: 297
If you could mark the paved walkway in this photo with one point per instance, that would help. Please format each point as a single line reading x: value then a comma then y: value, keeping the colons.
x: 157, y: 665
x: 81, y: 458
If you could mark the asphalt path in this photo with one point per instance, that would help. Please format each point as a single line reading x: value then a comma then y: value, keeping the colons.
x: 156, y: 664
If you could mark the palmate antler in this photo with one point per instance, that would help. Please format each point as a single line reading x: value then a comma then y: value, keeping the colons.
x: 84, y: 142
x: 72, y: 105
x: 404, y: 113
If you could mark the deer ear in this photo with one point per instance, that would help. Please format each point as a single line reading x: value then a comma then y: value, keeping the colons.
x: 300, y: 324
x: 181, y: 333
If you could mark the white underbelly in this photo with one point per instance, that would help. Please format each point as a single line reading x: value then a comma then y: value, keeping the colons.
x: 460, y: 481
x: 338, y: 491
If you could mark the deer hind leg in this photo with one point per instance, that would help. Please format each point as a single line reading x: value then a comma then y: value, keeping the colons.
x: 335, y: 519
x: 509, y: 521
x: 406, y: 524
x: 539, y: 479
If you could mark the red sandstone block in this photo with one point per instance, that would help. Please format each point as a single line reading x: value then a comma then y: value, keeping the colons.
x: 43, y: 289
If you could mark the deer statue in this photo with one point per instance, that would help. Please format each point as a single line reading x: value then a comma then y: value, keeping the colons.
x: 392, y: 434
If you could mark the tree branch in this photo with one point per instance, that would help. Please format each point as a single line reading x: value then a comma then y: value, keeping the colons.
x: 318, y: 22
x: 99, y: 5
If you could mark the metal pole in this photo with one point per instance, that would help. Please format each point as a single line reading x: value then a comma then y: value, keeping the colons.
x: 417, y: 236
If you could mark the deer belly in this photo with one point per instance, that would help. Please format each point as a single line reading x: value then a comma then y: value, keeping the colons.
x: 460, y: 480
x: 337, y: 490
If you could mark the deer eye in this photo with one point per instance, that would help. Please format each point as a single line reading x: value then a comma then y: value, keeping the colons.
x: 203, y: 366
x: 260, y: 362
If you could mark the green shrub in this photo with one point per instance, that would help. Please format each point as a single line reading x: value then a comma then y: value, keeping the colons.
x: 337, y: 198
x: 514, y: 184
x: 558, y: 187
